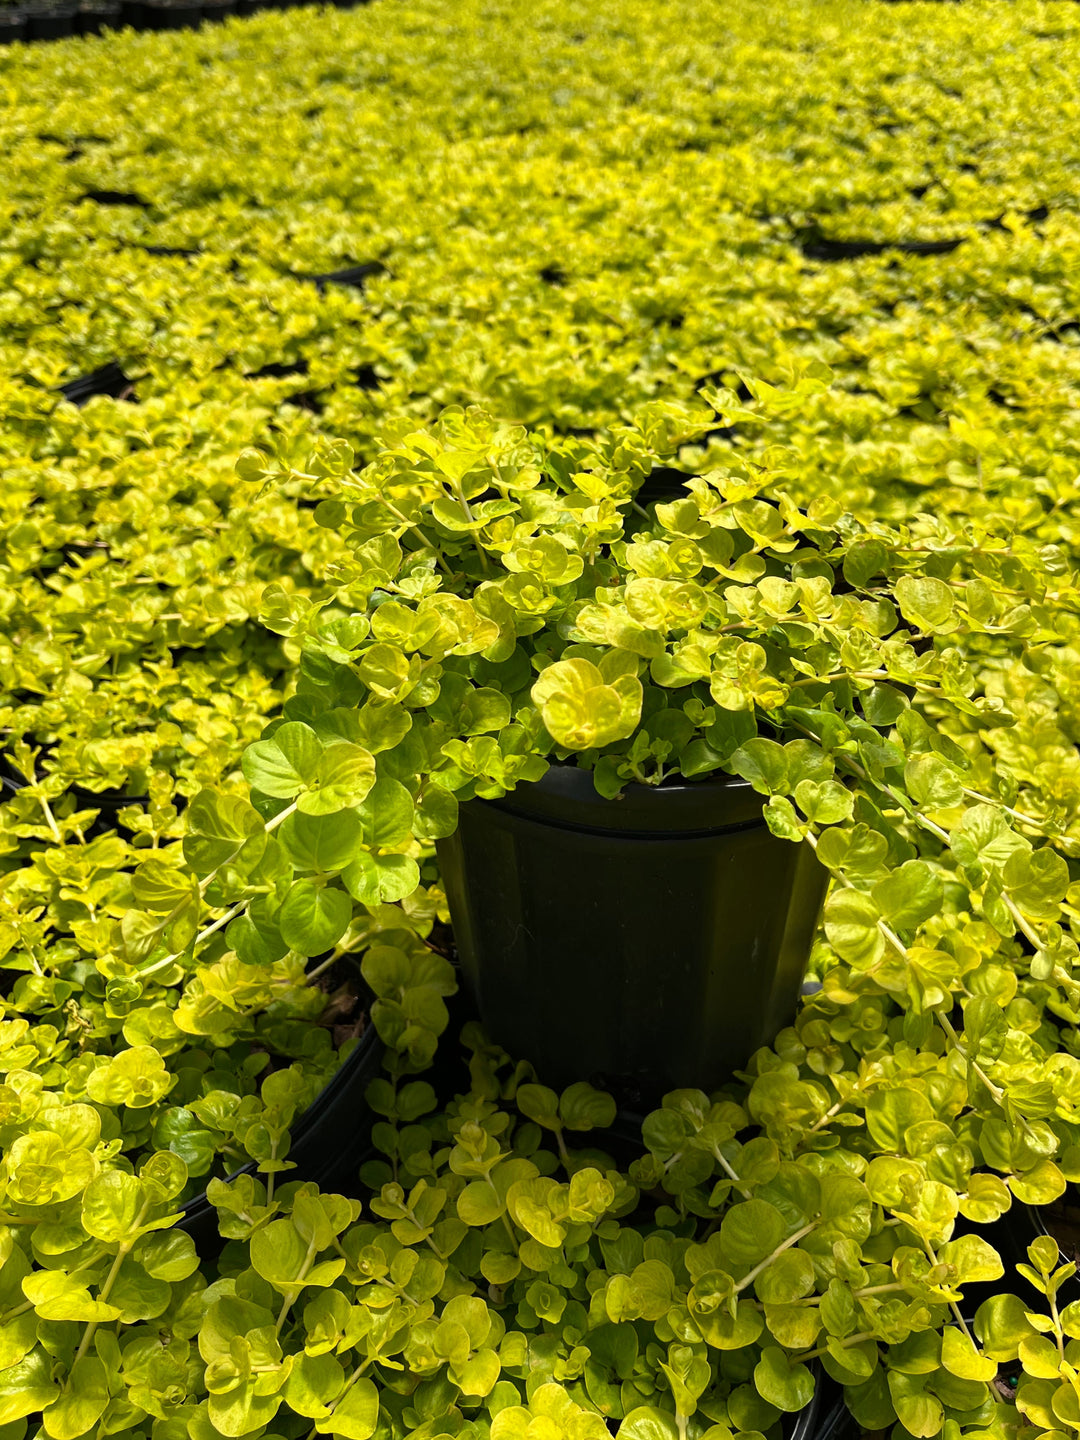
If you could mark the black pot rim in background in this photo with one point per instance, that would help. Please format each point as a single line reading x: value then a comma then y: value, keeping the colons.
x: 327, y: 1143
x: 172, y: 15
x: 803, y: 1422
x: 1010, y: 1235
x: 52, y: 22
x: 93, y: 19
x: 663, y: 484
x: 106, y: 800
x: 97, y: 16
x: 566, y: 796
x: 826, y: 1417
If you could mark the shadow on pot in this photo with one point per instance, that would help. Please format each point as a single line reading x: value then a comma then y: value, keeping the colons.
x: 328, y: 1142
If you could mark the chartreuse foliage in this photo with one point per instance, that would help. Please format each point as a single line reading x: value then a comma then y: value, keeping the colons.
x: 496, y: 1288
x: 508, y: 602
x: 629, y: 207
x: 505, y: 602
x: 622, y: 221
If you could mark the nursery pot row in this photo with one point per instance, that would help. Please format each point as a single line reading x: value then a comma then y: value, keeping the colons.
x: 646, y: 943
x: 55, y: 21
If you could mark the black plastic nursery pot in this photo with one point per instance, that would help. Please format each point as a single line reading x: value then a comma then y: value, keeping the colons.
x: 803, y: 1425
x: 51, y: 22
x: 107, y: 379
x: 10, y: 779
x: 825, y: 1418
x: 12, y: 26
x: 97, y: 16
x: 328, y: 1142
x: 1013, y: 1233
x: 1061, y: 1219
x: 108, y: 804
x: 645, y: 943
x: 171, y: 15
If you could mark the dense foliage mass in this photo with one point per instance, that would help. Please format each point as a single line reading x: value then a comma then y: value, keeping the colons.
x: 472, y: 288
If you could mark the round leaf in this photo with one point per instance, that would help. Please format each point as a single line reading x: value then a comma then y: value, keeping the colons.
x: 313, y: 918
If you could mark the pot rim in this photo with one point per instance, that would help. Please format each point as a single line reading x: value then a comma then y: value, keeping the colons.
x: 566, y: 796
x: 315, y: 1132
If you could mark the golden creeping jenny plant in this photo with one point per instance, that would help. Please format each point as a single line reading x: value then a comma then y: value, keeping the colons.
x: 630, y: 140
x: 507, y: 603
x: 647, y: 202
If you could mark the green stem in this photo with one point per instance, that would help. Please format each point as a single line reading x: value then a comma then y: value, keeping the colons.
x: 997, y: 1094
x: 271, y: 824
x: 931, y: 1255
x: 1016, y: 814
x: 295, y: 1288
x: 832, y: 1110
x: 485, y: 564
x: 732, y: 1176
x: 110, y: 1280
x: 1052, y: 1299
x: 839, y: 675
x: 428, y: 544
x: 809, y: 1301
x: 270, y: 1176
x: 1021, y: 921
x: 846, y: 1344
x: 509, y: 1231
x: 50, y: 819
x: 212, y: 929
x: 356, y: 1375
x: 748, y: 1280
x: 564, y: 1154
x: 313, y: 975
